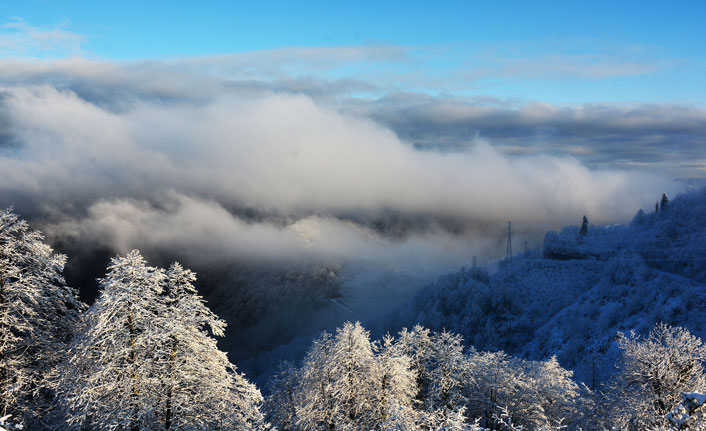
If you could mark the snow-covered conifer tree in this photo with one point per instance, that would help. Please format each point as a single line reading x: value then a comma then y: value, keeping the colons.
x: 353, y: 377
x: 584, y: 227
x: 144, y: 359
x: 37, y: 314
x: 109, y: 381
x: 664, y: 203
x: 201, y: 388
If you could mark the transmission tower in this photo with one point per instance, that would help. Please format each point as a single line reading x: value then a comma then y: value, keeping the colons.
x: 508, y: 256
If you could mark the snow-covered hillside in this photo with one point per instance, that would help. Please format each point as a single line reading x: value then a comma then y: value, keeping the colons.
x: 573, y: 295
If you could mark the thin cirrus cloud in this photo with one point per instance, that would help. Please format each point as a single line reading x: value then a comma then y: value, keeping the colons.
x: 593, y: 66
x: 263, y: 172
x: 20, y: 39
x: 452, y: 67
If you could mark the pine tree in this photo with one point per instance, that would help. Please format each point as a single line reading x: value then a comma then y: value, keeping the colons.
x: 353, y: 377
x: 584, y: 227
x: 108, y: 381
x: 144, y: 360
x: 191, y: 364
x: 37, y: 314
x: 664, y: 203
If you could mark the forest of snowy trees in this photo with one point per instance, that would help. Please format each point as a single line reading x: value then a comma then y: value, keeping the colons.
x: 424, y: 380
x: 141, y: 357
x: 144, y: 357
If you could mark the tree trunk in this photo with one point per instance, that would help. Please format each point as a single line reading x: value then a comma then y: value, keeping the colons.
x: 3, y: 370
x: 168, y: 413
x: 132, y: 360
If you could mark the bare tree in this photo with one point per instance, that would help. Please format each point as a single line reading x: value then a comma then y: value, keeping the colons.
x: 653, y: 374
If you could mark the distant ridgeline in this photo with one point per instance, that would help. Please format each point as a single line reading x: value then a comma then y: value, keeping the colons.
x: 586, y: 283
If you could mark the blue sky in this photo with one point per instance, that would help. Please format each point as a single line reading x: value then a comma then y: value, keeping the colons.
x: 556, y: 52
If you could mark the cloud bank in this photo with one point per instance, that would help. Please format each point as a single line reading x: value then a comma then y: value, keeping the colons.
x: 664, y: 138
x: 156, y: 156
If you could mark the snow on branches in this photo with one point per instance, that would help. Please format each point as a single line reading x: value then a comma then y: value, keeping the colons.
x: 689, y: 414
x: 144, y: 358
x: 653, y: 374
x: 421, y: 381
x: 37, y: 312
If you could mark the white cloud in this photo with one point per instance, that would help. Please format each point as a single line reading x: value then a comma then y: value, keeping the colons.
x: 19, y: 39
x: 302, y: 166
x: 204, y: 232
